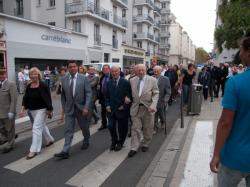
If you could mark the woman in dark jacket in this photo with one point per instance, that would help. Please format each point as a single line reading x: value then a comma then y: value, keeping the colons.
x: 37, y: 100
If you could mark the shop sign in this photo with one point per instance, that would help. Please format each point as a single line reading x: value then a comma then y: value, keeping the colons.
x: 133, y: 52
x: 56, y: 38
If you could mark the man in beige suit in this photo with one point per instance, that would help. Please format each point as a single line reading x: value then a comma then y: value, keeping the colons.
x: 145, y: 94
x: 8, y: 98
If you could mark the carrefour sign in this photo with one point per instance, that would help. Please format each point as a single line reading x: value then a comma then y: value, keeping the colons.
x: 56, y: 38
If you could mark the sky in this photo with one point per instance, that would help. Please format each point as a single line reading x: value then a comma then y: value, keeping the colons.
x: 197, y: 17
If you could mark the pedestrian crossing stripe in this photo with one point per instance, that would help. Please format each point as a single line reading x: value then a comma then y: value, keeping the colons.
x: 95, y: 173
x: 22, y: 165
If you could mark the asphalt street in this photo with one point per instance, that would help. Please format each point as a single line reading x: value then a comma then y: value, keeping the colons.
x: 96, y: 166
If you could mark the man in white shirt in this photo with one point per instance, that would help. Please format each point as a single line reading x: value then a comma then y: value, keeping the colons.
x: 21, y: 81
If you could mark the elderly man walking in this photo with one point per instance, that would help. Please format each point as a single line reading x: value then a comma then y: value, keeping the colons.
x: 164, y: 95
x: 145, y: 94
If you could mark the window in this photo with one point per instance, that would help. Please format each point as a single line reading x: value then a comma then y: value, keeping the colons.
x: 38, y: 2
x: 139, y: 11
x: 106, y: 57
x: 97, y: 37
x: 77, y: 25
x: 139, y: 44
x: 139, y: 28
x: 52, y: 3
x: 163, y: 5
x: 19, y: 8
x: 1, y: 5
x: 52, y: 23
x: 123, y: 13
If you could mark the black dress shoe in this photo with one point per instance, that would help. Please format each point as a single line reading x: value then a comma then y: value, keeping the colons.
x: 144, y: 149
x: 85, y: 146
x: 7, y: 150
x: 102, y: 128
x: 62, y: 155
x: 112, y: 147
x: 49, y: 144
x: 131, y: 153
x: 118, y: 147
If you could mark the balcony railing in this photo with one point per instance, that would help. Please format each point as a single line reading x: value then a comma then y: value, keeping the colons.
x: 86, y: 6
x: 143, y: 36
x: 157, y: 9
x: 157, y: 39
x: 157, y: 24
x: 97, y: 40
x: 144, y: 17
x: 18, y: 12
x: 164, y: 46
x: 165, y: 34
x: 149, y: 2
x: 123, y: 1
x: 120, y: 21
x: 165, y: 11
x: 115, y: 43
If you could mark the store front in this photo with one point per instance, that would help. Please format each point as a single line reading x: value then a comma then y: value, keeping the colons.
x: 35, y: 44
x: 132, y: 56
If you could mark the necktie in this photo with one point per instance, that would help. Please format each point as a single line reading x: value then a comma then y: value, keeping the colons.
x: 72, y: 85
x: 104, y: 85
x: 115, y: 83
x: 139, y: 84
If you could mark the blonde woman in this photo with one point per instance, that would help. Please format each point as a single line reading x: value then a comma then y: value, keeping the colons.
x: 37, y: 100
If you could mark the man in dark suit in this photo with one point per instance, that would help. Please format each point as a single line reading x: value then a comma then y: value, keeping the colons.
x: 103, y: 88
x: 118, y: 99
x: 8, y: 100
x: 164, y: 86
x: 76, y: 102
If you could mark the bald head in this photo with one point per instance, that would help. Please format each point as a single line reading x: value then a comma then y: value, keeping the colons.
x: 141, y: 70
x: 115, y: 71
x: 157, y: 71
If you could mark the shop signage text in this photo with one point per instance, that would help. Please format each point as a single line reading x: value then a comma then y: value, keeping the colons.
x: 133, y: 52
x: 56, y: 38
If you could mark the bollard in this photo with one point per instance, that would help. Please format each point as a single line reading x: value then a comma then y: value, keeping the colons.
x: 182, y: 117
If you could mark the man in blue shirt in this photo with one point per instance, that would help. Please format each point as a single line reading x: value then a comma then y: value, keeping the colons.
x: 231, y: 158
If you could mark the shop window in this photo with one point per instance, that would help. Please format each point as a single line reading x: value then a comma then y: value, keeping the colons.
x: 1, y: 59
x: 115, y: 60
x: 106, y: 57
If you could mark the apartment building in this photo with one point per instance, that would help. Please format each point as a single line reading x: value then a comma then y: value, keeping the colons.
x: 164, y: 30
x: 182, y: 48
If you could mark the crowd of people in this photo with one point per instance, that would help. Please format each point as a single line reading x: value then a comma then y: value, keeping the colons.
x: 133, y: 102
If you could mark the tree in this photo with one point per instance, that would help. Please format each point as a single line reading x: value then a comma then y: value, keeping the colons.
x: 201, y: 56
x: 235, y: 17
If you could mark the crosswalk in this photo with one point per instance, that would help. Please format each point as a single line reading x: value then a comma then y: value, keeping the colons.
x: 93, y: 174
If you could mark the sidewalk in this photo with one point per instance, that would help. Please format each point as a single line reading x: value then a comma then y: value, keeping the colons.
x: 183, y: 159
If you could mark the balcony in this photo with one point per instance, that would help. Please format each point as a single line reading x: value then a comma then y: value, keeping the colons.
x: 165, y: 11
x: 115, y: 43
x: 80, y: 7
x: 165, y: 34
x: 97, y: 40
x: 18, y: 12
x: 121, y: 3
x: 120, y: 21
x: 144, y: 2
x: 143, y: 18
x: 144, y: 36
x: 157, y: 10
x: 157, y: 25
x: 164, y: 46
x: 157, y: 39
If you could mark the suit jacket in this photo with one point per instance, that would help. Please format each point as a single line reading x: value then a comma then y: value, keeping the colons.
x: 149, y: 96
x: 82, y: 97
x: 8, y: 99
x: 102, y: 95
x: 164, y: 90
x: 115, y: 97
x: 93, y: 81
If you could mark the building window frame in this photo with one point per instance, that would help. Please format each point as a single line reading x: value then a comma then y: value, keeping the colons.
x: 52, y: 3
x: 53, y: 23
x: 77, y: 25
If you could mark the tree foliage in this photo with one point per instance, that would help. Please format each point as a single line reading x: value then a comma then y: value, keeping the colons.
x: 235, y: 17
x: 201, y: 56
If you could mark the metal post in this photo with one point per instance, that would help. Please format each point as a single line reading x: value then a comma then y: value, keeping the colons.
x: 182, y: 118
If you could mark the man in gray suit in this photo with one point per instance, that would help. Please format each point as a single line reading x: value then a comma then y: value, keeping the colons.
x: 93, y: 80
x: 164, y: 95
x: 8, y: 99
x: 76, y: 102
x: 145, y: 94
